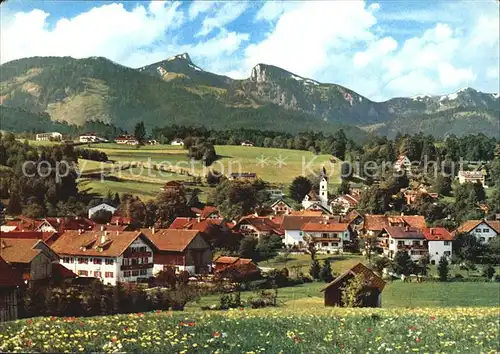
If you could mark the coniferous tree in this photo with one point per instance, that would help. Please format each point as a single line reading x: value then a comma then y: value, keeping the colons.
x: 315, y: 269
x: 443, y: 269
x: 326, y: 272
x: 140, y: 132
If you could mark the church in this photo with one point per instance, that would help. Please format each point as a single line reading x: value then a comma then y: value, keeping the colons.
x: 315, y: 201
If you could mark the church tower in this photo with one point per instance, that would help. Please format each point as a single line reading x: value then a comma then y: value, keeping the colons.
x: 323, y: 189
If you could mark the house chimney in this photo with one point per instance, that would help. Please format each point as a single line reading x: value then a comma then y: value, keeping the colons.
x: 198, y: 219
x: 102, y: 227
x: 407, y: 228
x: 153, y: 229
x: 103, y: 237
x: 402, y: 213
x: 432, y: 231
x: 80, y: 231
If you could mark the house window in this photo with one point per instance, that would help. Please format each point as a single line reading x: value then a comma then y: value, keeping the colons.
x: 335, y: 244
x: 145, y: 260
x: 83, y: 273
x: 135, y: 273
x: 97, y: 274
x: 401, y: 243
x: 143, y: 249
x: 391, y: 242
x: 108, y: 274
x: 108, y: 262
x: 65, y: 259
x: 486, y: 230
x: 82, y: 260
x: 447, y: 253
x: 447, y: 243
x: 144, y: 272
x: 126, y: 274
x: 325, y: 234
x: 97, y: 261
x: 125, y: 261
x: 478, y: 230
x: 324, y: 244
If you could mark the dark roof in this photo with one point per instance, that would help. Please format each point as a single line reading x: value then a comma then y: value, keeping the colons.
x: 244, y: 174
x: 372, y: 279
x: 295, y: 222
x: 404, y: 232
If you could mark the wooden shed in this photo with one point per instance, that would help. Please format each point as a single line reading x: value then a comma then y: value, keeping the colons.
x: 371, y: 295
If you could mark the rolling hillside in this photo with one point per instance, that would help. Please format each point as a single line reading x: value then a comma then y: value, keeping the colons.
x: 178, y: 91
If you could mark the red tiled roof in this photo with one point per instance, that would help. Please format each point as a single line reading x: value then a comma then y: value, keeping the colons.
x: 169, y: 239
x: 262, y: 224
x: 23, y: 223
x: 120, y: 220
x: 232, y: 260
x: 378, y: 222
x: 179, y: 223
x: 469, y: 225
x: 206, y: 211
x: 437, y: 234
x: 333, y: 227
x: 306, y: 213
x: 293, y: 222
x: 69, y: 223
x: 374, y: 222
x: 47, y: 237
x: 15, y: 250
x: 62, y: 271
x: 110, y: 227
x: 371, y: 279
x: 84, y: 243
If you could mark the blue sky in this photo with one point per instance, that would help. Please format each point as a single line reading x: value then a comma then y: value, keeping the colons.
x: 380, y: 49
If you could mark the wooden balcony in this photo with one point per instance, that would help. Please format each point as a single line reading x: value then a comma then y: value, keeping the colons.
x: 137, y: 254
x: 136, y: 266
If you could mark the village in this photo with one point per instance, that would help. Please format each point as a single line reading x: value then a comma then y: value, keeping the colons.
x: 202, y: 246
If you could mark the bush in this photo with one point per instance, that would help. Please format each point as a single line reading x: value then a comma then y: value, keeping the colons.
x: 263, y: 299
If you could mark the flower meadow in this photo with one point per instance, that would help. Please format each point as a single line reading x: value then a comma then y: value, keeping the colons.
x: 282, y: 330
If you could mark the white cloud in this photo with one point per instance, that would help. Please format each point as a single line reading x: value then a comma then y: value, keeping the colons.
x: 224, y: 15
x: 451, y: 76
x: 108, y: 30
x: 413, y: 83
x: 304, y: 36
x: 375, y: 50
x: 374, y: 7
x: 492, y: 72
x: 271, y: 10
x: 361, y: 46
x: 199, y: 7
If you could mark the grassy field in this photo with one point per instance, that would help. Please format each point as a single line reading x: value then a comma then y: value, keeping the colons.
x: 144, y: 181
x: 301, y: 262
x: 232, y: 159
x: 304, y: 330
x: 395, y: 295
x: 144, y: 190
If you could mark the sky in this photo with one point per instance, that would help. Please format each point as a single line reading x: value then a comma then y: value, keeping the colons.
x: 380, y: 49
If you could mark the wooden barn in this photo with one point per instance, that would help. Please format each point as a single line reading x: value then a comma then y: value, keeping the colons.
x: 10, y: 281
x: 371, y: 295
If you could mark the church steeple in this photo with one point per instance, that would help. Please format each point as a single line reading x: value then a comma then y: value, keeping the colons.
x: 323, y: 188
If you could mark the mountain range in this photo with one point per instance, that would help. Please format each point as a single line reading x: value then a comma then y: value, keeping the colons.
x: 176, y: 91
